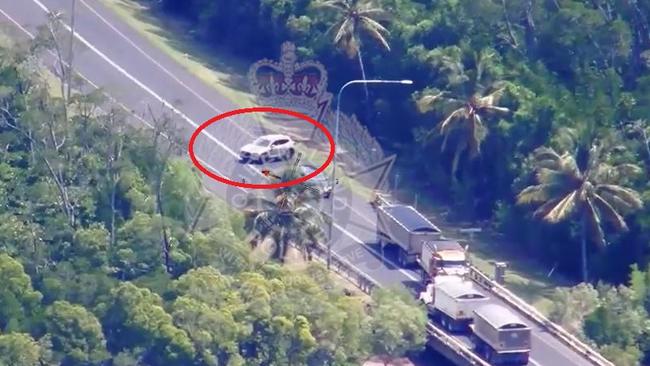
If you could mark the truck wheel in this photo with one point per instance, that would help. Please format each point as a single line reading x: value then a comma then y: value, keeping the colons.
x: 450, y: 325
x: 487, y: 354
x: 401, y: 258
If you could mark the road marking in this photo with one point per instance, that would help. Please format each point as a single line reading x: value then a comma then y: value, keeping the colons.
x: 533, y: 362
x: 189, y: 120
x: 161, y: 67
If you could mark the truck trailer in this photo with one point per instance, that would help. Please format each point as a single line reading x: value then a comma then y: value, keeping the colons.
x: 499, y: 336
x: 405, y: 227
x: 451, y: 300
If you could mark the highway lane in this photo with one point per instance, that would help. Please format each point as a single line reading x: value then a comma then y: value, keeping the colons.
x: 140, y: 76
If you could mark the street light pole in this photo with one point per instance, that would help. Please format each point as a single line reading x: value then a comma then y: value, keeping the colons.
x: 336, y: 138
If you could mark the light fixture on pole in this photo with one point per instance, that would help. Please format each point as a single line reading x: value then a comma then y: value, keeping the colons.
x: 336, y: 137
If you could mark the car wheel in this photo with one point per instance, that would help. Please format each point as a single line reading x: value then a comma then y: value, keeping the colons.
x: 263, y: 158
x: 243, y: 160
x: 289, y: 154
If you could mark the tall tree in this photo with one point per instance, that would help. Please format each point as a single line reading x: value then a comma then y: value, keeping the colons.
x: 19, y: 349
x: 471, y: 97
x: 592, y: 192
x: 290, y: 217
x: 357, y: 17
x: 76, y: 333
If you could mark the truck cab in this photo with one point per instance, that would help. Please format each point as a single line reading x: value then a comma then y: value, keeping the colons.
x: 443, y: 258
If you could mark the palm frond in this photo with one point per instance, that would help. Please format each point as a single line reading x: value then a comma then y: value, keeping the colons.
x: 570, y: 167
x: 552, y: 176
x: 373, y: 24
x: 491, y: 99
x: 544, y: 209
x: 546, y: 157
x: 627, y: 170
x: 609, y: 213
x: 374, y: 31
x: 258, y: 203
x: 444, y: 125
x: 563, y: 209
x: 344, y: 30
x: 631, y: 197
x: 535, y: 194
x: 339, y: 5
x: 375, y: 13
x: 426, y: 102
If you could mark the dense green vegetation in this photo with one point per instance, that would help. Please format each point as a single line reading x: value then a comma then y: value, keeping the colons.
x: 496, y: 80
x: 529, y: 114
x: 112, y: 253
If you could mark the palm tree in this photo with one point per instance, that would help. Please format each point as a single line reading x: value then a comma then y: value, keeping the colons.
x: 474, y: 100
x: 354, y: 18
x: 290, y: 217
x: 592, y: 193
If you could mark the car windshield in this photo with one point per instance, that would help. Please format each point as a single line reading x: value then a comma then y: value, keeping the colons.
x: 262, y: 142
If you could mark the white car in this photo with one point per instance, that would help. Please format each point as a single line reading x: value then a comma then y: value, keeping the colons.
x: 267, y: 148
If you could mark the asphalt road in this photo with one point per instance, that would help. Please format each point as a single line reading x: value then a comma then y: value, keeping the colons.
x: 111, y: 55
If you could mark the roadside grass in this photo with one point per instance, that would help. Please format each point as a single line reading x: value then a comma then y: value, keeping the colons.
x: 524, y: 277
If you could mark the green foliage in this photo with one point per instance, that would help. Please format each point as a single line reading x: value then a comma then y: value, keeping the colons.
x: 75, y: 332
x: 395, y: 327
x: 19, y: 349
x: 18, y: 300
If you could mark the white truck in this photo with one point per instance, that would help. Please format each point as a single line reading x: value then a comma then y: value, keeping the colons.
x: 499, y: 336
x: 405, y: 227
x: 451, y: 300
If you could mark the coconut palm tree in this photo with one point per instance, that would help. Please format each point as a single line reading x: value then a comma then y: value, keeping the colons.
x: 592, y: 193
x: 290, y: 217
x: 356, y: 17
x: 473, y: 100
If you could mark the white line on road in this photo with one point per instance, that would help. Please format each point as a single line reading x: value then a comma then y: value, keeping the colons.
x: 161, y: 67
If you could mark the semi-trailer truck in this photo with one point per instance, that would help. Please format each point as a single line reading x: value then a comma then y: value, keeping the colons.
x: 443, y: 257
x: 451, y: 300
x: 405, y: 227
x: 499, y: 336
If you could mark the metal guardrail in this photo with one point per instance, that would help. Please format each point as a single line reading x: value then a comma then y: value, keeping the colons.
x: 455, y: 345
x: 568, y: 339
x: 344, y: 268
